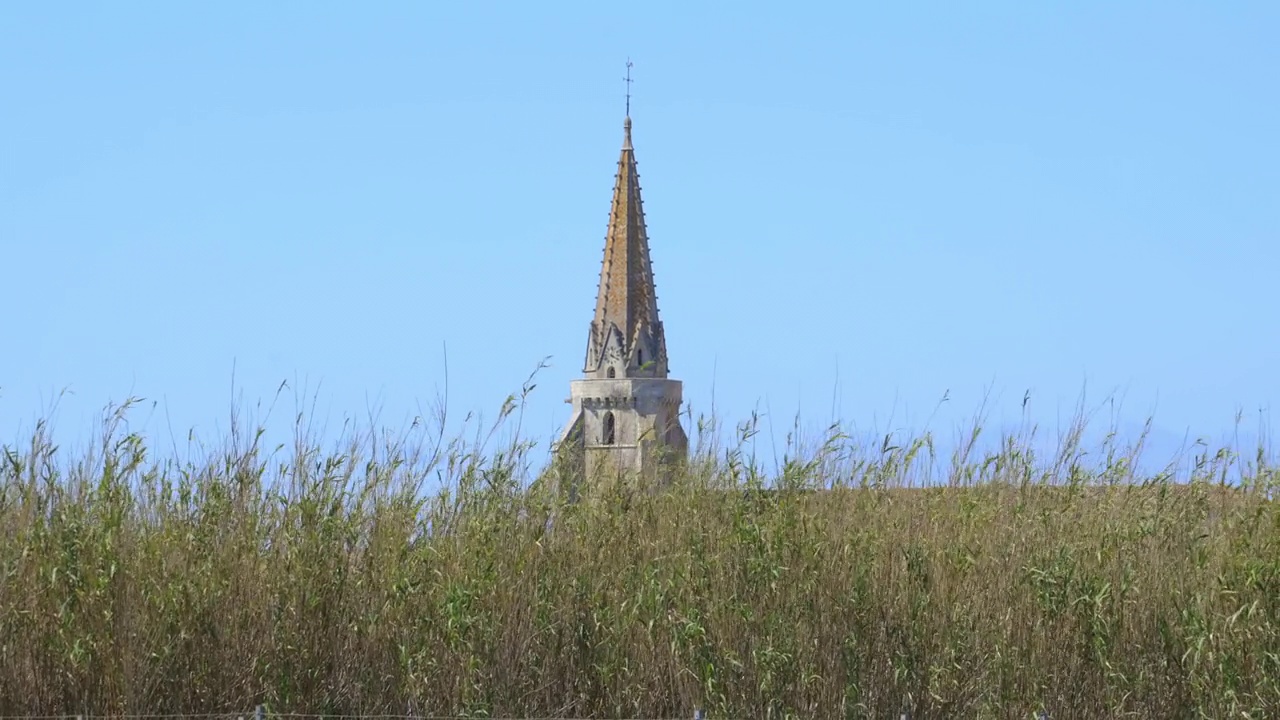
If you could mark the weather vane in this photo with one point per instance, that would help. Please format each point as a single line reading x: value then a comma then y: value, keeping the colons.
x: 628, y: 79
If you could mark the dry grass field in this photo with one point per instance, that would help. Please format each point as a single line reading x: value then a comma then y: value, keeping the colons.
x: 436, y: 577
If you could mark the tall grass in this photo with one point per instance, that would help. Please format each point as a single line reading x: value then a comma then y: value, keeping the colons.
x: 415, y: 574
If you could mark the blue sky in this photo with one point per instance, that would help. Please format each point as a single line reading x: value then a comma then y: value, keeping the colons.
x: 854, y: 209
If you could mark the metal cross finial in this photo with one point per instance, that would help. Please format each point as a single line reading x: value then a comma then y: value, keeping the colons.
x: 628, y: 79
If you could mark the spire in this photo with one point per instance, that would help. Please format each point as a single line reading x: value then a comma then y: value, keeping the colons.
x: 626, y: 337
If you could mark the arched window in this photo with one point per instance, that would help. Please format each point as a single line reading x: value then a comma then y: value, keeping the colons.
x: 640, y: 357
x: 608, y: 434
x: 611, y: 372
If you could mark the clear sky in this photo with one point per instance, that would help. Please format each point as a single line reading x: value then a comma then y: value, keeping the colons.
x: 854, y: 208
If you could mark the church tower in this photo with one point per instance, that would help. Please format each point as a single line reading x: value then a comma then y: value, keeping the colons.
x: 626, y: 411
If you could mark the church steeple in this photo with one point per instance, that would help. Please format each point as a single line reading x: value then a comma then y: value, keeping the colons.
x: 626, y: 337
x: 626, y: 411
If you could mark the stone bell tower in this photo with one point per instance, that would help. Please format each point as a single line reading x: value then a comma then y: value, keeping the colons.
x: 626, y: 411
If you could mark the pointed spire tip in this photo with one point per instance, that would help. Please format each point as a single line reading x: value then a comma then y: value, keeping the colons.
x: 626, y: 133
